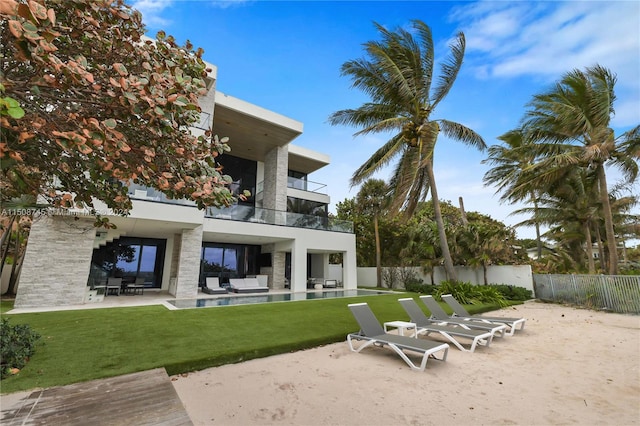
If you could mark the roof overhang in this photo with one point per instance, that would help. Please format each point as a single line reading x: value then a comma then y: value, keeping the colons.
x: 252, y: 131
x: 305, y: 160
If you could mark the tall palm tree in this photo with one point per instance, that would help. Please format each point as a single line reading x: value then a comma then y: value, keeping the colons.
x: 398, y: 75
x: 510, y: 163
x: 576, y: 113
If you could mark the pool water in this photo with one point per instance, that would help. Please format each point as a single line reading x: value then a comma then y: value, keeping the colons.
x: 268, y: 298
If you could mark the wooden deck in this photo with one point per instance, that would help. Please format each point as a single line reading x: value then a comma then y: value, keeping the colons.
x: 146, y: 398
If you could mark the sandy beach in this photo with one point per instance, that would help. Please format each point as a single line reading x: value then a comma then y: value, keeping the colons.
x: 568, y: 366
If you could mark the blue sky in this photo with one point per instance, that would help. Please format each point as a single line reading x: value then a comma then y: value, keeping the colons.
x: 286, y: 57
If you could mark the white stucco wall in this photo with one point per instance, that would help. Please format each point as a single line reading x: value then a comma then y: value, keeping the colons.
x: 516, y: 275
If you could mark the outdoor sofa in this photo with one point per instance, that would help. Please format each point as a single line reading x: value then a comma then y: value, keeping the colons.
x: 246, y: 285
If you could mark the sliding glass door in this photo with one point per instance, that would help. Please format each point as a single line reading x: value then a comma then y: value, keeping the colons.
x: 228, y: 261
x: 130, y: 258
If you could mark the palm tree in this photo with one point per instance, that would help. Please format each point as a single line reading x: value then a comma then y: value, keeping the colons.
x: 421, y: 246
x: 398, y: 75
x: 371, y: 201
x: 576, y: 114
x: 510, y: 163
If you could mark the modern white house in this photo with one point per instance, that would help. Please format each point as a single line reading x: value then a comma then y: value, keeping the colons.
x: 281, y: 234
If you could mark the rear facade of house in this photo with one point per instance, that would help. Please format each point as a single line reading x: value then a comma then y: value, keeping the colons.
x: 282, y: 233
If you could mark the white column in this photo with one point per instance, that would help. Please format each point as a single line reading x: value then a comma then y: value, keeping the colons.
x: 325, y: 265
x: 349, y: 269
x: 298, y: 267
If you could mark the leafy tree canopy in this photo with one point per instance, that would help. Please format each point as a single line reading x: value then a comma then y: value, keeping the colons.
x: 89, y: 104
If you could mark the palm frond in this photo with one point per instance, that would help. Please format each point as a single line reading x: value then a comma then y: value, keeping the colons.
x: 378, y: 160
x: 449, y: 69
x: 426, y: 57
x: 462, y: 133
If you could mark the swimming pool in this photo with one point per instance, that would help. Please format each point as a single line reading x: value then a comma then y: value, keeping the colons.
x: 268, y: 298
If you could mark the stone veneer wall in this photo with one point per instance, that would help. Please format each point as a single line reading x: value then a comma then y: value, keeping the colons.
x: 57, y: 262
x: 279, y: 259
x: 189, y: 263
x: 276, y: 165
x: 175, y: 260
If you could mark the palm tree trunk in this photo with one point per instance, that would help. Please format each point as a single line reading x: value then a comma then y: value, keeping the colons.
x: 537, y: 225
x: 463, y: 213
x: 600, y: 249
x: 378, y: 252
x: 18, y: 255
x: 608, y: 221
x: 589, y: 248
x: 5, y: 242
x: 444, y: 246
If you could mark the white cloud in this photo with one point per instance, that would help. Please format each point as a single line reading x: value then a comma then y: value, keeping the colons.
x: 151, y: 11
x: 550, y: 38
x: 545, y: 40
x: 224, y: 4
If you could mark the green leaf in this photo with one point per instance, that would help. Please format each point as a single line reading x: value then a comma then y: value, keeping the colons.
x: 12, y: 108
x: 29, y: 27
x: 181, y: 101
x: 120, y: 69
x: 131, y: 97
x: 16, y: 112
x: 81, y: 60
x: 110, y: 123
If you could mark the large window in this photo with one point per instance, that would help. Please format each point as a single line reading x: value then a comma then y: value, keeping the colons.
x: 129, y: 258
x: 243, y: 172
x: 228, y: 261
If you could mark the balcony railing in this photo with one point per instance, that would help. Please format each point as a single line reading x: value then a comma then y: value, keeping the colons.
x: 204, y: 122
x: 248, y: 213
x: 139, y: 192
x: 301, y: 184
x: 275, y: 217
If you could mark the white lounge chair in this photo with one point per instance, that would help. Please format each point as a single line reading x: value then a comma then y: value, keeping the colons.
x: 460, y: 312
x: 372, y: 332
x: 425, y: 326
x: 213, y: 286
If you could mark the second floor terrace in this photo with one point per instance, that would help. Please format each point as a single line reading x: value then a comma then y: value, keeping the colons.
x: 249, y: 214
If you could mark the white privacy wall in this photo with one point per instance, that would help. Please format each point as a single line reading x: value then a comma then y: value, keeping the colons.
x: 516, y: 275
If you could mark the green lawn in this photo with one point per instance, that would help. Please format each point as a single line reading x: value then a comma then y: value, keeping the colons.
x: 89, y: 344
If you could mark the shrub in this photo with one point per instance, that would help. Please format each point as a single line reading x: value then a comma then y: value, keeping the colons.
x: 17, y: 345
x: 408, y: 275
x: 390, y: 277
x: 420, y: 287
x: 469, y: 294
x: 512, y: 292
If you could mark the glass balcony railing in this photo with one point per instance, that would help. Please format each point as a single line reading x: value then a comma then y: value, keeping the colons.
x: 139, y: 192
x: 274, y: 217
x: 306, y: 185
x: 248, y: 213
x: 301, y: 184
x: 204, y: 122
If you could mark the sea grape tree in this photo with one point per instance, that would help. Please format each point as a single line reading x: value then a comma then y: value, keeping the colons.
x: 88, y: 104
